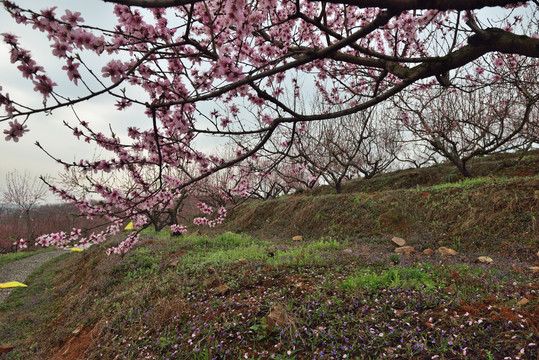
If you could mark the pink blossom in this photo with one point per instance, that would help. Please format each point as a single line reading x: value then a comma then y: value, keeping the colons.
x: 77, y: 133
x: 234, y: 109
x: 10, y: 39
x: 234, y: 10
x: 21, y: 244
x: 278, y: 92
x: 225, y: 121
x: 8, y: 104
x: 205, y: 208
x: 114, y: 69
x: 60, y: 49
x: 498, y: 62
x: 72, y: 71
x: 133, y: 132
x: 44, y: 85
x: 124, y: 103
x: 28, y: 68
x: 175, y: 228
x: 125, y: 245
x: 267, y: 119
x: 16, y: 131
x: 200, y: 221
x: 72, y: 18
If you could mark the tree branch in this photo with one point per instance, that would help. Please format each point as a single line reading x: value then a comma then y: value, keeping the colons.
x: 396, y: 5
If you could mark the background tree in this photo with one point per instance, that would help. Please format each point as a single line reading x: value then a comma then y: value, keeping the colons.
x: 460, y: 125
x: 358, y: 145
x: 24, y: 192
x: 264, y: 176
x: 184, y: 64
x: 296, y: 172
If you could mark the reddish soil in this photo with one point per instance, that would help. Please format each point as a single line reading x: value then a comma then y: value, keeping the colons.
x: 75, y: 345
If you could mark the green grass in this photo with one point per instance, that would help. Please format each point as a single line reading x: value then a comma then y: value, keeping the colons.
x: 229, y: 247
x: 466, y: 183
x: 473, y: 182
x: 399, y: 277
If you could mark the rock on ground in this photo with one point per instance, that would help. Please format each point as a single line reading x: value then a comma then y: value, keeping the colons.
x: 447, y: 251
x: 397, y: 241
x: 484, y: 259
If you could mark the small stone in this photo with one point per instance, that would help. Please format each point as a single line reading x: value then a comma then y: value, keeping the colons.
x: 347, y: 251
x: 447, y: 251
x: 484, y: 260
x: 240, y: 262
x: 222, y: 290
x: 77, y: 330
x: 211, y: 282
x: 523, y: 302
x: 174, y: 263
x: 450, y: 290
x: 406, y: 250
x: 397, y: 241
x: 297, y: 238
x: 428, y: 252
x: 533, y: 269
x: 4, y: 349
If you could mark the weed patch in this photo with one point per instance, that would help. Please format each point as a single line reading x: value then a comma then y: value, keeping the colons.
x: 398, y: 277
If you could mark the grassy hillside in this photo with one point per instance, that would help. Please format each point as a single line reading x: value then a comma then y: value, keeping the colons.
x: 478, y: 214
x: 498, y: 210
x: 342, y: 291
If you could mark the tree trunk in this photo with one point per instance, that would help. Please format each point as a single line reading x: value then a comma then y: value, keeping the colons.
x: 28, y: 225
x: 461, y: 165
x: 338, y: 186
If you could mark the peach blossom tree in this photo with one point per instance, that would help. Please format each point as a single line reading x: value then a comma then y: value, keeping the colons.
x: 237, y: 69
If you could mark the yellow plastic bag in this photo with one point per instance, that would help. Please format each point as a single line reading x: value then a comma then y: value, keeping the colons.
x: 12, y: 284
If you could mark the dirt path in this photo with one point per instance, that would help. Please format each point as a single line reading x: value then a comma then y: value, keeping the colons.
x: 20, y: 269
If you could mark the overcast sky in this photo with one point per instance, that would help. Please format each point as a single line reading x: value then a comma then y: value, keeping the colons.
x: 49, y: 130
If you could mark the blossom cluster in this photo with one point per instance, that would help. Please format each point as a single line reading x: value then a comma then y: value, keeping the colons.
x: 179, y: 229
x: 15, y: 131
x: 21, y: 244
